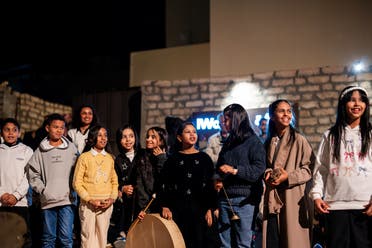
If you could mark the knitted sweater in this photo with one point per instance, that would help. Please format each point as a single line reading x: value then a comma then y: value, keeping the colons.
x: 249, y: 157
x: 95, y: 176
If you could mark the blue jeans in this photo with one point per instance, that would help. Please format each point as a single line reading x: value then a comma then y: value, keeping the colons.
x: 57, y: 225
x: 236, y: 233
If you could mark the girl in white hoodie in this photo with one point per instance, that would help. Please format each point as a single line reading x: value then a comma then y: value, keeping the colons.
x: 342, y: 188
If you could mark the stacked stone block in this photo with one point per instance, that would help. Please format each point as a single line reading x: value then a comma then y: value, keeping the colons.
x: 314, y: 90
x: 29, y: 110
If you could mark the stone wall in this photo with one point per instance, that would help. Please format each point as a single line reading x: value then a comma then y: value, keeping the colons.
x: 29, y: 110
x: 315, y: 90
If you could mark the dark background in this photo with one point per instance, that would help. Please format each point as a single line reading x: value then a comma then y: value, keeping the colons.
x: 46, y: 48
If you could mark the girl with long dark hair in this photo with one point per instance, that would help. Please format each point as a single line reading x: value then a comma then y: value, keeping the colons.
x: 96, y: 183
x: 240, y: 167
x: 287, y: 213
x: 342, y: 189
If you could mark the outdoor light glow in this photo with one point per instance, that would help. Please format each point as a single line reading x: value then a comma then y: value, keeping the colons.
x: 359, y: 66
x: 245, y: 94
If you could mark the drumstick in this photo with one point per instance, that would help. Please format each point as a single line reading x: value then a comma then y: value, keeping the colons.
x: 133, y: 204
x: 144, y: 210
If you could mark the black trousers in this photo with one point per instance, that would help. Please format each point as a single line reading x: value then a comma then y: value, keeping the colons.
x: 272, y: 234
x: 348, y: 228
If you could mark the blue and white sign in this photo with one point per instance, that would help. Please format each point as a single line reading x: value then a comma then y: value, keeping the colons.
x: 207, y: 123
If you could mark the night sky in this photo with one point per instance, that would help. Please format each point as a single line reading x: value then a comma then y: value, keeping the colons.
x: 46, y: 50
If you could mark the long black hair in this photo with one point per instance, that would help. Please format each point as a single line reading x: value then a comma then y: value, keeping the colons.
x: 337, y: 130
x: 240, y: 125
x: 76, y: 120
x: 119, y: 136
x: 272, y: 130
x: 92, y: 139
x: 162, y: 136
x: 172, y: 123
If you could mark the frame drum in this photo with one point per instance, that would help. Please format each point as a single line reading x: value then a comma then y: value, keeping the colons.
x: 12, y: 230
x: 155, y: 231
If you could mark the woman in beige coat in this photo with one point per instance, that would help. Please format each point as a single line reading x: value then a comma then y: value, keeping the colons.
x: 287, y: 211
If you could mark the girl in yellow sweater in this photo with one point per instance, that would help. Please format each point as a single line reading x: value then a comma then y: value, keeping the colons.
x: 96, y: 183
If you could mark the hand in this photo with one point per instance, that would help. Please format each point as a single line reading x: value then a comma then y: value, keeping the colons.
x: 166, y: 213
x: 95, y: 204
x: 216, y: 213
x: 12, y: 200
x: 106, y: 203
x: 8, y: 200
x: 368, y: 209
x: 276, y: 182
x: 128, y: 190
x: 218, y: 185
x: 321, y: 206
x: 267, y: 176
x: 228, y: 169
x: 141, y: 215
x: 208, y: 218
x: 4, y: 198
x: 157, y: 151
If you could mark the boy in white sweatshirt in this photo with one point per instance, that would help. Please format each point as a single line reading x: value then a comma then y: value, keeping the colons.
x: 14, y: 156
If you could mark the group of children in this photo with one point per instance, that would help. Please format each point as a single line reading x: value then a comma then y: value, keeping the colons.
x: 201, y: 196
